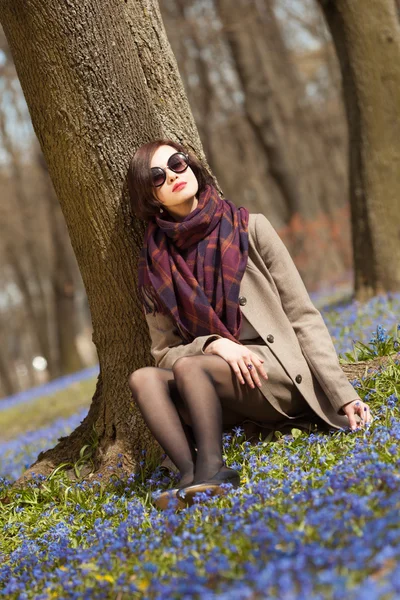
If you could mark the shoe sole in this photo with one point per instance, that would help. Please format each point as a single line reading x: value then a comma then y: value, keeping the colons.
x: 215, y: 489
x: 168, y: 500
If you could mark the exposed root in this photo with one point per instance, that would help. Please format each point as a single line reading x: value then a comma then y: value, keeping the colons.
x: 365, y: 368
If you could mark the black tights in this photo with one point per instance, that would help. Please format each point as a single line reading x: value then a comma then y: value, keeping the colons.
x: 189, y: 405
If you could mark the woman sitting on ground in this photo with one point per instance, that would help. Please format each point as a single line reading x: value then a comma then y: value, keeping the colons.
x: 234, y: 333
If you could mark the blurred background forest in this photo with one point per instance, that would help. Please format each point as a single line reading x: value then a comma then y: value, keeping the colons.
x: 265, y: 92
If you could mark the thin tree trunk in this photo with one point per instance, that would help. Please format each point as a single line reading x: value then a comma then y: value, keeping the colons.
x: 205, y: 88
x: 100, y: 79
x: 36, y: 304
x: 242, y: 29
x: 65, y: 314
x: 7, y: 385
x: 367, y: 41
x: 214, y: 89
x: 36, y: 319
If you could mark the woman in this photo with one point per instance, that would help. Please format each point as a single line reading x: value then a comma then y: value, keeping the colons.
x: 233, y: 331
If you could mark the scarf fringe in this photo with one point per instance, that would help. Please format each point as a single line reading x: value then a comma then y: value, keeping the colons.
x: 150, y: 300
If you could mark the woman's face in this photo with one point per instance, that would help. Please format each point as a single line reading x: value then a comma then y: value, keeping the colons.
x: 178, y: 202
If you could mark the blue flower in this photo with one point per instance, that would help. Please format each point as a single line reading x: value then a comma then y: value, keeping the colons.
x: 238, y: 430
x: 392, y: 400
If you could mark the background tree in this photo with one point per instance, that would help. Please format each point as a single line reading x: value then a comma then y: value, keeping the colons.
x: 367, y: 41
x: 34, y: 320
x: 280, y: 123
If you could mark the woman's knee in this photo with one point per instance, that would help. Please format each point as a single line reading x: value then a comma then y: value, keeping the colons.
x: 217, y: 370
x: 182, y: 366
x: 141, y: 377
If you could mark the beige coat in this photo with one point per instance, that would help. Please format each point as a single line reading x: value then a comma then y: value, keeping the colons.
x: 275, y: 300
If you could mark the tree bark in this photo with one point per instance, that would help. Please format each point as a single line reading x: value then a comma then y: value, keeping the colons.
x: 367, y: 41
x: 99, y: 80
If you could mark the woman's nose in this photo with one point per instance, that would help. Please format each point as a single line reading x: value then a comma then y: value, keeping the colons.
x: 171, y: 175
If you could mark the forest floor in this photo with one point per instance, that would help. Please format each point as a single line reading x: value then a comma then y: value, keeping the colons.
x: 316, y: 516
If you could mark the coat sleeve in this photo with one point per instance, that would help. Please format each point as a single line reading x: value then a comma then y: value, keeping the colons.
x: 313, y: 335
x: 166, y: 343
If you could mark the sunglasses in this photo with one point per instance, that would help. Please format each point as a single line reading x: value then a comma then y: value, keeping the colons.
x: 178, y: 163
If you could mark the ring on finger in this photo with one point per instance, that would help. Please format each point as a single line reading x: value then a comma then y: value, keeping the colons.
x: 249, y: 366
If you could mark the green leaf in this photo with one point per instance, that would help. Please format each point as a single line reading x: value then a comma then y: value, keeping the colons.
x: 296, y: 433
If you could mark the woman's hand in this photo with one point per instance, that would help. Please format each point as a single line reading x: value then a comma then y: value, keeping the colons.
x: 238, y: 357
x: 357, y: 407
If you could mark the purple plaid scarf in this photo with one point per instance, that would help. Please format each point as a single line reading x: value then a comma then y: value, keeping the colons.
x: 192, y: 269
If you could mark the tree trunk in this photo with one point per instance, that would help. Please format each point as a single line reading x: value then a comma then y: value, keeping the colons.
x: 22, y: 251
x: 283, y: 118
x: 242, y: 27
x: 214, y: 89
x: 100, y: 79
x: 367, y: 41
x: 7, y: 385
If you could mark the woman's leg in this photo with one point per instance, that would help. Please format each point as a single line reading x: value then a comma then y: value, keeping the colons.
x: 210, y: 390
x: 155, y: 392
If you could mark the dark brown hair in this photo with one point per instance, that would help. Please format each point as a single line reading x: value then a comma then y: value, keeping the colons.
x: 144, y: 204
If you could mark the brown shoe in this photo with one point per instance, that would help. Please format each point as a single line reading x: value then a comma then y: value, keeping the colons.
x: 224, y: 475
x: 169, y: 499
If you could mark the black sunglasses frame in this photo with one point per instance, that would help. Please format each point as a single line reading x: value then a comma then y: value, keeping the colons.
x: 158, y: 169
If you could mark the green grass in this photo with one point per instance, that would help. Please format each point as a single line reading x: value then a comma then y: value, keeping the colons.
x: 296, y: 497
x: 43, y: 411
x: 317, y: 512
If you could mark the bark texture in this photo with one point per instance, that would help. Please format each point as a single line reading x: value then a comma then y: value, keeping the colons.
x: 99, y: 80
x: 367, y: 41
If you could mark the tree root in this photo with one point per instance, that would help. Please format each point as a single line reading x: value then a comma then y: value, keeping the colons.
x: 366, y: 368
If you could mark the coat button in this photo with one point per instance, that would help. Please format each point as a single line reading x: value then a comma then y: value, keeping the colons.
x: 242, y: 300
x: 299, y: 378
x: 270, y: 338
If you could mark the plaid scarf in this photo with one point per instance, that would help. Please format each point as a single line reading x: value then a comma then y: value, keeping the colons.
x: 192, y: 269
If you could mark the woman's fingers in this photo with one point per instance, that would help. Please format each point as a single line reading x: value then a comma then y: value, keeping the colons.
x: 248, y: 373
x: 236, y: 369
x: 352, y: 418
x: 252, y: 370
x: 365, y: 413
x: 252, y: 375
x: 259, y: 365
x: 362, y: 410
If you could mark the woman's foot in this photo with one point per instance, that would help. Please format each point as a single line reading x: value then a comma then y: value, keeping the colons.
x: 207, y: 470
x: 185, y: 480
x: 169, y: 498
x: 224, y: 475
